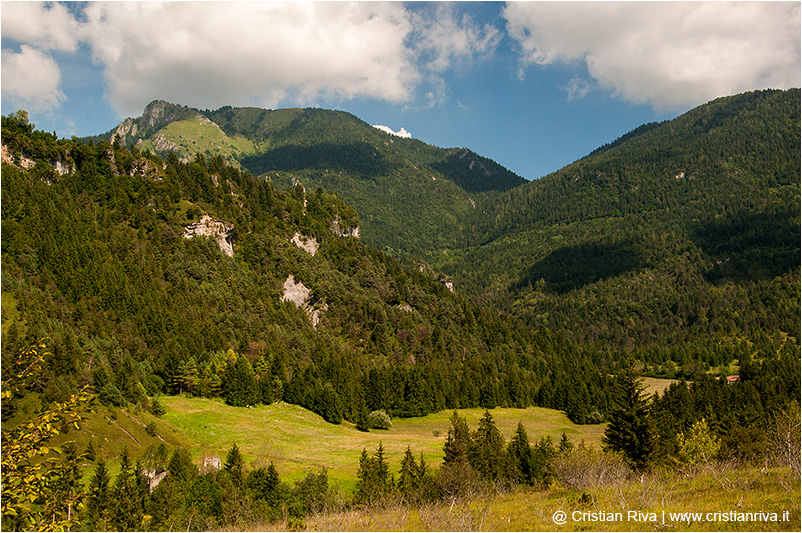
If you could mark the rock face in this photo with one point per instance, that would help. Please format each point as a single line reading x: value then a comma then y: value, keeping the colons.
x: 218, y: 230
x: 337, y: 229
x: 300, y: 294
x: 25, y: 163
x: 306, y: 243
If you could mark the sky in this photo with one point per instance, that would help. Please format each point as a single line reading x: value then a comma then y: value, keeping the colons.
x: 532, y: 85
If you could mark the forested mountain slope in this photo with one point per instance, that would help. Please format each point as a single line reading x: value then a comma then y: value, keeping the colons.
x: 277, y: 302
x: 411, y: 197
x: 680, y: 241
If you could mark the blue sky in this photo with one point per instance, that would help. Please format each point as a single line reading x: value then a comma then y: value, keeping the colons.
x: 532, y: 85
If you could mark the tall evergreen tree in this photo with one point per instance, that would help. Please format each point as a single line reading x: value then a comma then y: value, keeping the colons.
x: 486, y: 449
x: 521, y: 457
x: 127, y: 501
x: 235, y: 466
x: 455, y: 449
x: 240, y: 385
x: 98, y: 500
x: 631, y: 429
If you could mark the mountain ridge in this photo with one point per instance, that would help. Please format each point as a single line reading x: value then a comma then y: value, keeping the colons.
x: 336, y: 150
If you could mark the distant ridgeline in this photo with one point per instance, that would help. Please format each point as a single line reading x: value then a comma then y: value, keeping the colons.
x: 412, y: 197
x: 678, y: 244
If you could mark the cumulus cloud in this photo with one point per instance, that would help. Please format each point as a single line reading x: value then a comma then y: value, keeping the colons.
x: 31, y: 79
x: 670, y: 55
x: 47, y: 26
x: 443, y: 38
x: 258, y: 53
x: 400, y: 133
x: 209, y: 54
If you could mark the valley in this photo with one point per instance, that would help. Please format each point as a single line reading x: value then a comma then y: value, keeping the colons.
x: 148, y: 278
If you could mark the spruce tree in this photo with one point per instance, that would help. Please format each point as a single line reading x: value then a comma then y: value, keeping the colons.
x: 235, y: 466
x: 521, y: 457
x: 408, y: 480
x: 631, y: 429
x: 240, y: 385
x: 98, y: 500
x: 486, y: 449
x: 455, y: 449
x: 127, y: 501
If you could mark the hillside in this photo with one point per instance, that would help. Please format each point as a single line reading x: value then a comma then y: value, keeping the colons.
x: 249, y: 305
x: 151, y: 276
x: 678, y: 243
x: 411, y: 196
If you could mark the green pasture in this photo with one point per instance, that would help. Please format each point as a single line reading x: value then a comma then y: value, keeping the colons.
x: 298, y: 441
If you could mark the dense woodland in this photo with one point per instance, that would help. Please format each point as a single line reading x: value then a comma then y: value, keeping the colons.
x: 96, y: 263
x: 670, y: 252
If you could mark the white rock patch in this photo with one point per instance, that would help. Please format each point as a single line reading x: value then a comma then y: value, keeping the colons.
x: 306, y: 243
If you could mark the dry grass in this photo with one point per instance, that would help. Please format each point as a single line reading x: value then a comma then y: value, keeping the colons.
x: 653, y: 502
x: 298, y: 441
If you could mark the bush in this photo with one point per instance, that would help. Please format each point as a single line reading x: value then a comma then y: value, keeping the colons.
x: 379, y: 420
x: 584, y: 469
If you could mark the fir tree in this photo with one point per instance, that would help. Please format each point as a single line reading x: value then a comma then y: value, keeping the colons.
x: 521, y: 457
x: 235, y: 465
x: 486, y: 449
x: 455, y: 449
x: 99, y: 498
x: 240, y: 385
x: 631, y: 430
x: 127, y: 502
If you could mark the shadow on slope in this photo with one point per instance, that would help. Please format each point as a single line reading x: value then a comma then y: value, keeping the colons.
x: 573, y: 267
x: 354, y: 158
x: 751, y: 246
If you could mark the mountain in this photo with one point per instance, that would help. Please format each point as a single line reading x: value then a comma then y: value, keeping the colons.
x: 147, y: 276
x: 679, y: 243
x: 412, y: 197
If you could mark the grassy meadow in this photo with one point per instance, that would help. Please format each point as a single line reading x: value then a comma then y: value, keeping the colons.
x: 298, y: 441
x: 707, y: 500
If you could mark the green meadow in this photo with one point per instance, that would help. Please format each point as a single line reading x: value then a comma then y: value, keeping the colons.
x: 298, y: 441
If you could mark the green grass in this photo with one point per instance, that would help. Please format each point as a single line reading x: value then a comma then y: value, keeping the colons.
x: 196, y: 135
x: 9, y: 312
x: 657, y: 385
x: 298, y: 441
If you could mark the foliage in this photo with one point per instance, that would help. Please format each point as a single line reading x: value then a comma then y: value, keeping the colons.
x: 374, y: 481
x: 379, y: 420
x: 699, y: 446
x: 39, y: 490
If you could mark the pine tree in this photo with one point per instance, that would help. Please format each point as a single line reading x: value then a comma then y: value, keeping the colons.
x: 240, y: 385
x: 235, y: 465
x: 521, y: 457
x: 410, y: 476
x: 373, y: 477
x: 631, y: 430
x: 456, y: 447
x: 127, y: 503
x: 98, y: 500
x: 486, y: 449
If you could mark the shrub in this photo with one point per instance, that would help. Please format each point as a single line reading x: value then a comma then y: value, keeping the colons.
x: 379, y: 420
x: 584, y: 469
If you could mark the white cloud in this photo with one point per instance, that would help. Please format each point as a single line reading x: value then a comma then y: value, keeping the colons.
x: 400, y: 133
x: 48, y: 26
x: 670, y: 55
x: 31, y: 79
x: 241, y: 53
x: 443, y: 39
x: 208, y: 54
